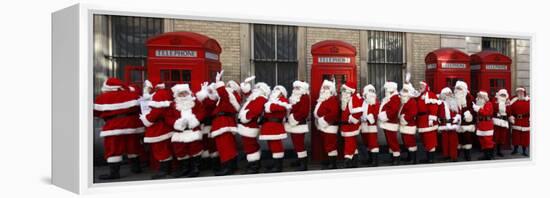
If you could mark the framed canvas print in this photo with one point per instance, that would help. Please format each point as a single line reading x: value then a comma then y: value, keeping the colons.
x: 151, y: 97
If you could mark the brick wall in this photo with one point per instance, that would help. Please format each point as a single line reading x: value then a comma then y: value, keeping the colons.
x: 522, y: 60
x: 467, y: 44
x: 420, y: 46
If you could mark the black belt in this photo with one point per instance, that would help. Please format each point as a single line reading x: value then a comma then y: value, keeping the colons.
x: 278, y: 120
x: 521, y: 116
x: 484, y: 118
x: 122, y: 115
x: 422, y: 113
x: 225, y: 114
x: 302, y: 122
x: 445, y: 121
x: 502, y: 117
x: 207, y: 121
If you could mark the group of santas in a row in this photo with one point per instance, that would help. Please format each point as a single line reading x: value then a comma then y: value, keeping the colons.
x: 193, y: 126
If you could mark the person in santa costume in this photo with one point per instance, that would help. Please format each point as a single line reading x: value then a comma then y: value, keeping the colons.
x: 224, y: 124
x: 388, y: 119
x: 501, y: 111
x: 369, y: 130
x: 296, y: 124
x: 119, y: 108
x: 248, y: 126
x: 326, y: 120
x: 427, y: 120
x: 449, y: 121
x: 407, y: 121
x: 273, y: 130
x: 519, y: 109
x: 158, y: 132
x: 185, y: 115
x: 485, y: 127
x: 149, y: 88
x: 350, y: 119
x: 467, y: 125
x: 208, y: 98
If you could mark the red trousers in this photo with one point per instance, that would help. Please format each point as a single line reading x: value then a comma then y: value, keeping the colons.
x: 161, y: 150
x: 520, y: 138
x: 118, y: 145
x: 465, y: 140
x: 449, y: 144
x: 205, y: 146
x: 409, y: 140
x: 371, y: 141
x: 298, y: 141
x: 186, y: 150
x: 330, y: 143
x: 429, y: 139
x: 393, y: 143
x: 350, y: 147
x: 276, y: 148
x: 251, y: 148
x: 486, y: 142
x: 226, y: 146
x: 502, y: 135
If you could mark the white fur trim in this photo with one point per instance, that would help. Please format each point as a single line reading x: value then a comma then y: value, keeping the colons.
x: 396, y: 153
x: 121, y: 131
x: 389, y: 126
x: 350, y: 133
x: 205, y: 154
x: 500, y: 122
x: 468, y: 116
x: 428, y: 129
x: 246, y: 87
x: 370, y: 118
x: 484, y: 133
x: 366, y: 128
x: 467, y: 146
x: 223, y: 130
x: 467, y: 128
x: 411, y: 130
x: 192, y: 121
x: 158, y: 138
x: 432, y: 117
x: 187, y: 136
x: 323, y: 126
x: 252, y: 157
x: 131, y: 156
x: 219, y: 84
x: 412, y: 149
x: 352, y: 119
x: 183, y: 158
x: 302, y: 154
x: 278, y: 155
x: 247, y: 131
x: 333, y: 153
x: 382, y: 116
x: 116, y: 106
x: 291, y: 120
x: 114, y: 159
x: 242, y: 116
x: 198, y: 154
x: 322, y: 123
x: 273, y: 137
x: 449, y: 127
x: 233, y: 100
x: 159, y: 104
x: 356, y: 109
x: 214, y: 154
x: 206, y: 129
x: 267, y: 106
x: 178, y: 124
x: 201, y: 95
x: 520, y: 128
x: 375, y: 150
x: 431, y: 101
x: 297, y: 129
x: 146, y: 122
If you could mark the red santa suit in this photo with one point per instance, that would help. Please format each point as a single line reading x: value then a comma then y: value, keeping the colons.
x: 501, y: 111
x: 449, y: 120
x: 326, y: 118
x: 388, y: 117
x: 485, y: 127
x: 208, y: 99
x: 296, y: 124
x: 467, y: 126
x: 350, y: 118
x: 249, y: 116
x: 224, y: 123
x: 519, y: 109
x: 275, y: 110
x: 119, y: 108
x: 427, y: 118
x: 407, y: 118
x: 370, y: 109
x: 158, y: 132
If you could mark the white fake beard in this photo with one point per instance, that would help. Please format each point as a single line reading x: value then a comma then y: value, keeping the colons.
x: 453, y: 105
x: 147, y: 96
x: 344, y: 100
x: 461, y: 98
x: 274, y: 95
x: 501, y: 99
x: 480, y: 102
x: 184, y: 103
x: 370, y: 98
x: 296, y: 95
x: 405, y: 98
x: 255, y: 93
x: 324, y: 95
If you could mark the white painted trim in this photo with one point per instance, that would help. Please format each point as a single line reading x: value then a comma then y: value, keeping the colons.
x: 273, y: 137
x: 484, y: 133
x: 247, y: 131
x: 158, y: 138
x: 223, y: 130
x: 116, y: 106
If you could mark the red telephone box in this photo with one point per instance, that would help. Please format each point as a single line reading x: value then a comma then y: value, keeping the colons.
x: 331, y: 59
x: 183, y: 57
x: 445, y: 66
x: 491, y: 72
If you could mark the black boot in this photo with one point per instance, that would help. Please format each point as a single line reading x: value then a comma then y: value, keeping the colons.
x: 374, y: 159
x: 253, y: 167
x: 367, y: 161
x: 515, y: 151
x: 486, y: 155
x: 324, y: 164
x: 135, y: 165
x: 164, y: 170
x: 524, y: 151
x: 468, y: 154
x: 194, y: 165
x: 395, y: 160
x: 348, y: 163
x: 295, y: 163
x: 114, y: 172
x: 226, y: 168
x: 183, y: 168
x: 332, y: 162
x: 215, y: 164
x: 499, y: 153
x: 277, y: 165
x: 429, y: 158
x: 413, y: 157
x: 303, y: 164
x: 205, y: 163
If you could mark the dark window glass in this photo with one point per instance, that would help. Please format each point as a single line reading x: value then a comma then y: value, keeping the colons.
x: 501, y: 45
x: 495, y: 85
x: 385, y: 61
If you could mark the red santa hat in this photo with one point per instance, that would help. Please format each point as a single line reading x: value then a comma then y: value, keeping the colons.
x: 154, y: 84
x: 113, y: 84
x: 521, y: 89
x: 368, y: 88
x: 444, y: 92
x: 266, y: 90
x: 350, y: 86
x: 282, y: 89
x: 301, y: 84
x: 502, y: 91
x: 425, y: 84
x: 330, y: 84
x: 161, y: 98
x: 176, y: 89
x: 390, y: 86
x: 462, y: 85
x: 483, y: 94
